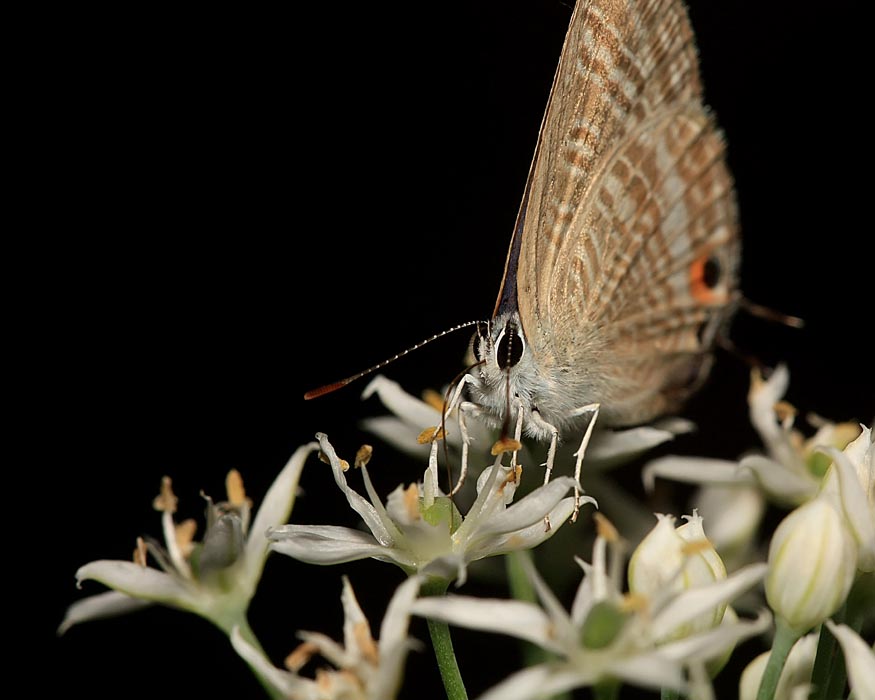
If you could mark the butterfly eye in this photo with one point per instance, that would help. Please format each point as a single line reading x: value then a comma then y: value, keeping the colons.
x: 509, y: 347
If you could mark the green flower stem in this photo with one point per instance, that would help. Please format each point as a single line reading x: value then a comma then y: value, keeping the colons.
x: 669, y: 694
x: 606, y: 690
x: 521, y: 588
x: 443, y: 644
x: 785, y: 638
x: 830, y: 673
x: 824, y: 665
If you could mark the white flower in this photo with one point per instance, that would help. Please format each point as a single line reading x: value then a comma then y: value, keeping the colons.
x: 850, y: 483
x: 607, y: 448
x: 366, y: 669
x: 792, y: 470
x: 812, y: 564
x: 215, y: 578
x: 859, y: 659
x: 795, y: 677
x: 607, y: 635
x: 420, y: 529
x: 670, y: 560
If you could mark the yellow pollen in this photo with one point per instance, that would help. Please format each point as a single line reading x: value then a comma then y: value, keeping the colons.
x: 166, y: 500
x: 506, y: 445
x: 756, y: 383
x: 605, y: 528
x: 634, y: 602
x: 344, y: 465
x: 411, y: 502
x: 185, y: 536
x: 300, y: 656
x: 366, y: 643
x: 140, y: 552
x: 695, y: 547
x: 430, y: 435
x: 786, y: 412
x: 433, y: 399
x: 513, y: 477
x: 234, y: 488
x: 324, y: 681
x: 363, y: 456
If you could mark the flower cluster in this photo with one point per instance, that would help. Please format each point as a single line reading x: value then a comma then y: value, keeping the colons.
x: 661, y: 605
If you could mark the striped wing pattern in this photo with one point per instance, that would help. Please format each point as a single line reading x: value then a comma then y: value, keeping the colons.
x: 628, y: 193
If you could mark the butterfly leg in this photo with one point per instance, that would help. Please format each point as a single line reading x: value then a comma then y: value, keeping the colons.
x: 589, y: 408
x: 553, y: 431
x: 465, y: 408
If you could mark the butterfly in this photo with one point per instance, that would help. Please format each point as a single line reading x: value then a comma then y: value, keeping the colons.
x: 623, y: 265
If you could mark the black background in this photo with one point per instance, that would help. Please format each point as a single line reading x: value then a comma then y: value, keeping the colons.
x: 238, y: 207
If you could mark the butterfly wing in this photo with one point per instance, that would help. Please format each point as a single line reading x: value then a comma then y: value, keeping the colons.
x: 628, y: 244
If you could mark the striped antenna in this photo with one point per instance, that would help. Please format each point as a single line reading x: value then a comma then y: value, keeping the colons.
x: 334, y: 386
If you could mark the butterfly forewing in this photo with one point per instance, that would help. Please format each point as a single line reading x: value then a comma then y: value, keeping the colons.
x: 628, y: 193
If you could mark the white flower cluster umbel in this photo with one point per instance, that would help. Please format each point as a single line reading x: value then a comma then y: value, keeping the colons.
x: 660, y: 615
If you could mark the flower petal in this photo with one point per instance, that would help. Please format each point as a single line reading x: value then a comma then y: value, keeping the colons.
x: 412, y: 410
x: 762, y: 398
x: 273, y: 512
x: 142, y: 582
x: 283, y: 681
x: 525, y: 538
x: 694, y: 470
x: 695, y: 601
x: 528, y: 510
x: 394, y: 642
x: 100, y: 606
x: 513, y: 617
x: 331, y: 544
x: 705, y: 646
x: 544, y: 680
x: 855, y: 506
x: 609, y: 446
x: 859, y: 658
x: 649, y: 670
x: 782, y: 484
x: 398, y: 434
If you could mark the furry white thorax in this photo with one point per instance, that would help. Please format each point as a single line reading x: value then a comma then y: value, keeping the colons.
x: 550, y: 407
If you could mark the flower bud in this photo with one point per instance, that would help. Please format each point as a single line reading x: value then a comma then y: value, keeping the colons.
x: 670, y: 559
x: 812, y: 561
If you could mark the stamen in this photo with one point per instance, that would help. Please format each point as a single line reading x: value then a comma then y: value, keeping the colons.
x: 366, y: 643
x: 300, y: 656
x: 411, y: 502
x: 234, y: 488
x: 166, y: 500
x: 184, y: 535
x: 430, y: 435
x: 634, y: 602
x: 786, y: 413
x: 505, y: 444
x: 605, y: 528
x: 363, y: 456
x: 433, y: 399
x: 140, y: 552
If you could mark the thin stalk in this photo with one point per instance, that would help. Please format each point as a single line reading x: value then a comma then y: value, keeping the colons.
x: 785, y: 637
x: 443, y: 644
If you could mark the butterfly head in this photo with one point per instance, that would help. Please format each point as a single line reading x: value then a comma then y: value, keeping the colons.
x: 506, y: 375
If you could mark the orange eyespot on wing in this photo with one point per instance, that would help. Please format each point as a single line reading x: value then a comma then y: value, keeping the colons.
x: 705, y: 275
